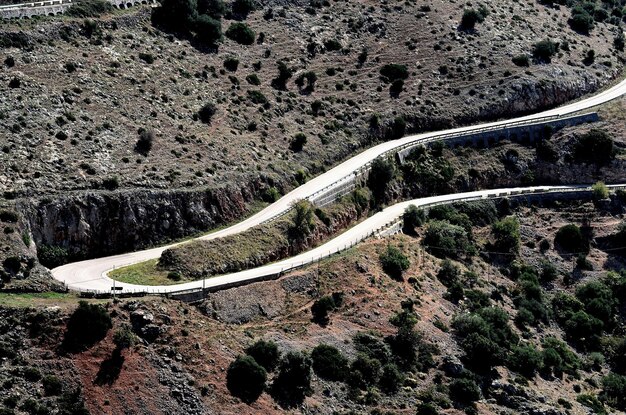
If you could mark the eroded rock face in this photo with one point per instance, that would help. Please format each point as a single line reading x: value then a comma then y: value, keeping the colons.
x: 103, y: 223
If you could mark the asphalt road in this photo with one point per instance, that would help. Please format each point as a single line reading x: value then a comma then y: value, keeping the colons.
x: 90, y: 275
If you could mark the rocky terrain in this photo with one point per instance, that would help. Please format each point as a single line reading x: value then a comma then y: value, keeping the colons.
x: 178, y: 359
x: 81, y: 98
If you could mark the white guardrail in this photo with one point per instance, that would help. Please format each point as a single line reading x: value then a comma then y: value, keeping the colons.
x: 394, y: 224
x: 34, y: 4
x: 320, y: 198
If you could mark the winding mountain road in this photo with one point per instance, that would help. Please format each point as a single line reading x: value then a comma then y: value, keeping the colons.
x: 91, y: 275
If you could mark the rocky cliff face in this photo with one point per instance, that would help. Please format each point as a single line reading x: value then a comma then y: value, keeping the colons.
x: 93, y: 224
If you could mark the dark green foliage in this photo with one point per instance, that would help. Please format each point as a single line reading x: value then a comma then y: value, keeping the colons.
x: 364, y: 371
x: 426, y: 409
x: 549, y: 272
x: 303, y: 219
x: 231, y: 64
x: 451, y: 214
x: 449, y: 273
x: 293, y: 382
x: 583, y: 329
x: 380, y: 175
x: 564, y: 306
x: 393, y: 72
x: 144, y: 144
x: 52, y: 256
x: 111, y: 183
x: 390, y: 379
x: 258, y: 98
x: 306, y: 81
x: 298, y: 142
x: 396, y: 129
x: 8, y: 216
x: 213, y: 8
x: 593, y: 403
x: 207, y: 112
x: 12, y: 264
x: 530, y: 301
x: 485, y: 332
x: 521, y: 60
x: 464, y: 391
x: 241, y: 33
x: 570, y: 238
x: 176, y: 15
x: 243, y: 7
x: 619, y: 41
x: 329, y: 363
x: 581, y: 20
x: 246, y: 379
x: 89, y: 8
x: 394, y: 262
x: 332, y: 45
x: 265, y: 353
x: 475, y: 300
x: 321, y: 308
x: 445, y: 240
x: 545, y: 50
x: 284, y: 73
x: 526, y: 360
x: 372, y: 347
x: 124, y: 337
x: 473, y: 16
x: 52, y: 386
x: 479, y: 213
x: 614, y: 390
x: 507, y: 234
x: 87, y: 325
x: 595, y: 146
x: 412, y: 218
x: 208, y: 30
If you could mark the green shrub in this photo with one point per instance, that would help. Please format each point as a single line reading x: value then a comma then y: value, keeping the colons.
x: 521, y: 60
x: 449, y: 273
x: 253, y: 79
x: 526, y: 360
x: 241, y: 33
x: 293, y: 382
x: 208, y: 30
x: 52, y: 386
x: 111, y: 183
x: 393, y: 71
x: 473, y: 16
x: 394, y: 262
x: 231, y: 64
x: 445, y: 240
x: 614, y: 390
x: 144, y: 144
x: 89, y: 8
x: 364, y: 372
x: 176, y: 15
x: 507, y: 234
x: 213, y: 8
x: 571, y: 239
x: 243, y: 7
x: 265, y: 353
x: 372, y: 347
x: 600, y: 191
x: 321, y: 308
x: 544, y: 50
x: 87, y: 325
x: 146, y: 57
x: 595, y: 146
x: 329, y: 363
x: 464, y: 391
x: 52, y: 256
x: 412, y: 218
x: 390, y: 379
x: 246, y: 379
x: 271, y: 195
x: 380, y: 175
x: 207, y: 112
x: 581, y: 21
x: 298, y: 141
x: 303, y: 219
x: 8, y: 216
x: 592, y: 402
x: 124, y: 338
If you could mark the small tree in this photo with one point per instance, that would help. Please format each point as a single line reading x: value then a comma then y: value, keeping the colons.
x: 213, y: 8
x: 412, y: 218
x: 526, y: 360
x: 284, y: 73
x: 329, y: 363
x: 208, y: 30
x: 298, y: 142
x: 303, y: 219
x: 507, y: 235
x: 241, y: 33
x: 246, y: 379
x: 321, y: 308
x: 391, y: 379
x: 144, y: 144
x: 544, y: 50
x: 243, y: 7
x: 379, y: 177
x: 600, y: 191
x: 473, y: 16
x: 394, y: 262
x: 571, y: 239
x: 265, y: 353
x: 464, y: 391
x: 207, y: 112
x: 293, y: 382
x: 124, y: 337
x: 87, y: 325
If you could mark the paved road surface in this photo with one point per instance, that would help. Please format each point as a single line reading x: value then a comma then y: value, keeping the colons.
x: 91, y: 274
